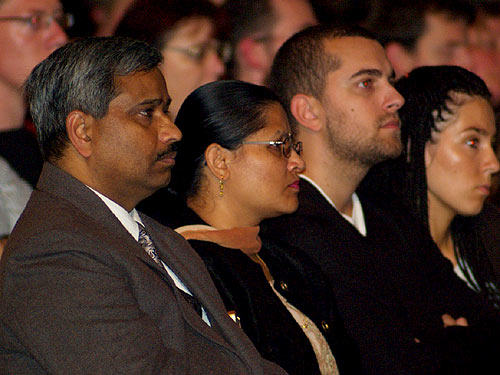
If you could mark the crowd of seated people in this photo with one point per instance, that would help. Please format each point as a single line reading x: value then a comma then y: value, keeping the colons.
x: 333, y: 189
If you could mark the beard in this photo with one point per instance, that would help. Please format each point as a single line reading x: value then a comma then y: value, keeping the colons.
x: 350, y: 143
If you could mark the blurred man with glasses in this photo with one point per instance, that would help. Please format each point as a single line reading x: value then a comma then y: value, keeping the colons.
x: 29, y: 31
x: 257, y: 29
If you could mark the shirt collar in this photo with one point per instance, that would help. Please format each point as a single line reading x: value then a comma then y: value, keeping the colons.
x: 357, y: 219
x: 128, y: 219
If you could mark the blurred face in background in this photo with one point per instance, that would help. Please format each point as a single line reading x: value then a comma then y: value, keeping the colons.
x: 27, y: 40
x: 460, y: 160
x: 443, y: 42
x: 291, y: 17
x: 484, y: 50
x: 192, y: 58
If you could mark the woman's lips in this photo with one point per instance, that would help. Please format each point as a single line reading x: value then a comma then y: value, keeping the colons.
x: 485, y: 189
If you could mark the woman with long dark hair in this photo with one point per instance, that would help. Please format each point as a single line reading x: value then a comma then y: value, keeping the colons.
x: 445, y: 172
x: 237, y: 164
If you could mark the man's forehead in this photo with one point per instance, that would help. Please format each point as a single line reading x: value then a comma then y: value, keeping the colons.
x: 437, y: 20
x: 141, y: 86
x: 354, y: 53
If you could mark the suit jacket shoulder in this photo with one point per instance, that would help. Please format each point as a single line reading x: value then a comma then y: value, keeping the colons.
x: 72, y: 276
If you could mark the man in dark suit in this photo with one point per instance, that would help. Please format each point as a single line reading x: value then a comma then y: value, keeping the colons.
x: 398, y: 298
x: 89, y: 286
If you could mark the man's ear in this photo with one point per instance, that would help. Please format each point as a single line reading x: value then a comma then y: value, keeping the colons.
x: 218, y: 159
x: 79, y: 127
x: 400, y: 58
x: 308, y: 111
x: 252, y: 53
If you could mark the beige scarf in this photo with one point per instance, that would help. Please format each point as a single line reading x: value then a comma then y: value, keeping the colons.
x: 245, y: 239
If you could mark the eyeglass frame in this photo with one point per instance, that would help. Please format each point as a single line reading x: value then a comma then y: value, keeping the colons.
x: 64, y: 20
x: 297, y: 147
x: 222, y: 49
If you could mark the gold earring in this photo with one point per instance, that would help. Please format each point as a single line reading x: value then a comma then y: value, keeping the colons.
x: 221, y: 187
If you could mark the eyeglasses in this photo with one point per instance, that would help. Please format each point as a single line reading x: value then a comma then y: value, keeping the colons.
x: 286, y: 145
x: 40, y: 21
x: 198, y: 51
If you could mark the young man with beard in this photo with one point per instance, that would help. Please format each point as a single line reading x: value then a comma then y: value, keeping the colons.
x: 398, y: 298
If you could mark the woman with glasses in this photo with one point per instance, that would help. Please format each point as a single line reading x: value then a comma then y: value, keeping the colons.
x: 184, y: 31
x: 237, y: 165
x: 445, y: 172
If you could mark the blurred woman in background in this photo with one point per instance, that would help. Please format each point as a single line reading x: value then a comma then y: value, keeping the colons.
x: 184, y: 31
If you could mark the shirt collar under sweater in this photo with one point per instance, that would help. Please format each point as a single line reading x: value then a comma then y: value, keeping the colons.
x: 357, y: 219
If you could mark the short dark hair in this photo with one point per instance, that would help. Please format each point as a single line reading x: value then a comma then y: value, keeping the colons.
x: 302, y: 64
x: 153, y: 21
x: 404, y: 21
x: 244, y: 18
x: 222, y: 112
x: 81, y: 76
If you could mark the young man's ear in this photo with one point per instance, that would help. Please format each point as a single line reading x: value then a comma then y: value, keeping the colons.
x: 79, y: 127
x: 308, y: 111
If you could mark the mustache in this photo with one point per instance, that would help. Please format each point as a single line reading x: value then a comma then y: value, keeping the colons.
x: 171, y: 149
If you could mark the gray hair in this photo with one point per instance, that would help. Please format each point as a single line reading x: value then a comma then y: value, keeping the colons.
x: 81, y: 76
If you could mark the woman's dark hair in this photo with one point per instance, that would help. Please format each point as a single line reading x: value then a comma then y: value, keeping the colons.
x: 222, y: 112
x: 430, y: 97
x: 152, y: 21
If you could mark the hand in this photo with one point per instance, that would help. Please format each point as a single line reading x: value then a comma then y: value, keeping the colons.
x: 3, y: 242
x: 448, y: 321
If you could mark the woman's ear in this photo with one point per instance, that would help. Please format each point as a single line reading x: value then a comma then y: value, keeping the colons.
x: 79, y: 127
x: 217, y: 158
x: 429, y: 151
x: 308, y: 111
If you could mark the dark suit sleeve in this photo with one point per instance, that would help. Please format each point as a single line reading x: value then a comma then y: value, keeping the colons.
x: 73, y: 301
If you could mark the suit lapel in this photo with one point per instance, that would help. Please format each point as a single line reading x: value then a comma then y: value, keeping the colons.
x: 173, y: 250
x: 179, y: 261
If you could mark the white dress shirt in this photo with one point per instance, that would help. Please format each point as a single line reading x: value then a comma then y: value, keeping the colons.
x: 129, y: 220
x: 357, y: 219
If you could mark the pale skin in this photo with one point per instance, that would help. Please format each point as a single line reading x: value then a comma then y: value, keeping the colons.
x: 443, y: 42
x: 460, y: 162
x: 23, y: 48
x: 255, y: 56
x: 362, y: 90
x: 184, y: 73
